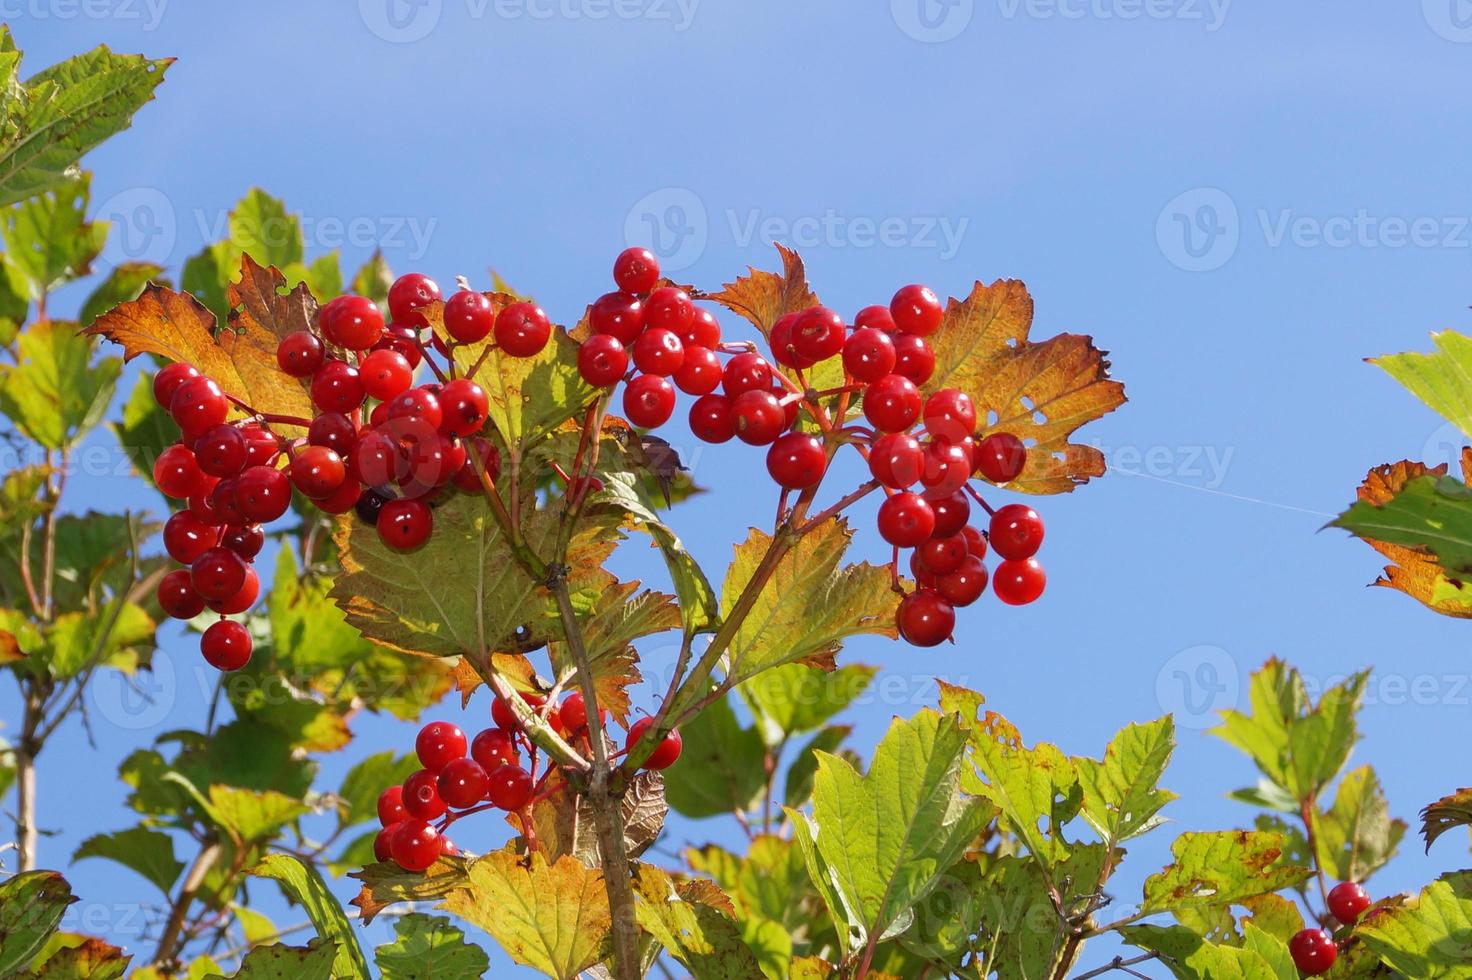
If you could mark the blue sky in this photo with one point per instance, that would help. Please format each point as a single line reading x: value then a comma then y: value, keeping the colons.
x: 1239, y: 201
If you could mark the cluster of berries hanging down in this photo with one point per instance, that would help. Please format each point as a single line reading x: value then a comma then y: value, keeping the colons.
x: 463, y: 777
x: 1314, y: 950
x: 922, y: 451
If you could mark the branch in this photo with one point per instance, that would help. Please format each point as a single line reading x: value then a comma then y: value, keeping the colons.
x: 26, y: 836
x: 168, y: 945
x: 1120, y: 963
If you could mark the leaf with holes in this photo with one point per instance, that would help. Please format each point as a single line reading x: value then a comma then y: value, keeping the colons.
x: 387, y: 883
x: 1220, y: 868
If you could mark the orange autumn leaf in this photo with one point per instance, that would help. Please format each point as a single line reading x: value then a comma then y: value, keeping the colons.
x: 1413, y: 571
x: 762, y: 297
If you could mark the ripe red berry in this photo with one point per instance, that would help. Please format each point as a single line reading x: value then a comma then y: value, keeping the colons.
x: 341, y: 500
x: 947, y: 468
x: 505, y: 718
x: 376, y: 459
x: 186, y: 537
x: 975, y: 540
x: 198, y: 403
x: 784, y: 349
x: 1000, y: 457
x: 299, y: 353
x: 262, y: 494
x: 221, y: 451
x: 1016, y: 532
x: 1313, y: 951
x: 818, y: 334
x: 469, y: 316
x: 415, y: 845
x: 1019, y: 582
x: 658, y: 351
x: 422, y: 795
x: 335, y: 431
x: 573, y: 713
x: 746, y: 372
x: 522, y: 329
x: 700, y: 371
x: 665, y: 753
x: 494, y: 747
x: 602, y: 360
x: 877, y: 317
x: 868, y: 355
x: 896, y: 460
x: 244, y: 597
x: 925, y: 619
x: 177, y: 472
x: 649, y: 401
x: 1348, y: 900
x: 710, y: 419
x: 617, y: 315
x: 354, y: 322
x: 464, y: 407
x: 916, y: 310
x: 246, y: 540
x: 468, y: 478
x: 317, y: 471
x: 261, y: 447
x: 438, y: 744
x: 168, y: 380
x: 391, y: 806
x: 176, y: 595
x: 217, y: 574
x: 409, y: 294
x: 336, y: 387
x: 757, y: 417
x: 385, y: 373
x: 401, y: 339
x: 404, y: 524
x: 463, y: 783
x: 416, y: 405
x: 797, y: 461
x: 892, y: 403
x: 704, y: 330
x: 226, y: 645
x: 224, y: 502
x: 951, y: 513
x: 943, y: 555
x: 906, y: 520
x: 636, y: 270
x: 965, y: 585
x: 510, y: 787
x: 913, y: 358
x: 949, y: 415
x: 383, y: 843
x: 669, y: 307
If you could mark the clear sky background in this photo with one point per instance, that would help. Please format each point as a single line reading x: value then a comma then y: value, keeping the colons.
x: 1220, y: 195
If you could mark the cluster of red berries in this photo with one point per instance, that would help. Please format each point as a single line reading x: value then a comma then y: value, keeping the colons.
x: 655, y: 339
x: 463, y: 777
x: 1314, y: 950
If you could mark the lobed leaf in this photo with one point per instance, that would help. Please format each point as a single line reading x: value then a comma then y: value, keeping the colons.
x: 1429, y: 937
x: 430, y: 948
x: 55, y: 393
x: 48, y: 241
x: 386, y: 883
x: 1221, y: 868
x: 1121, y: 795
x: 1454, y: 810
x: 1356, y: 836
x: 148, y: 852
x: 693, y: 925
x: 277, y: 962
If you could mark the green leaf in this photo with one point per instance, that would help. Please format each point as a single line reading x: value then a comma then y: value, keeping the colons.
x: 1429, y: 937
x: 1438, y: 379
x: 1031, y: 787
x: 145, y: 430
x: 430, y: 948
x: 59, y: 114
x: 889, y: 836
x: 122, y: 285
x: 148, y: 852
x: 1190, y: 957
x: 384, y: 884
x: 48, y: 241
x: 306, y: 887
x: 251, y: 815
x: 261, y: 227
x: 373, y: 278
x: 277, y: 962
x: 794, y: 698
x: 1356, y: 837
x: 78, y: 640
x: 769, y: 881
x: 55, y: 394
x: 1433, y: 513
x: 323, y: 276
x: 689, y: 922
x: 551, y: 917
x: 1121, y: 794
x: 207, y: 276
x: 804, y: 768
x: 721, y: 769
x: 1220, y: 868
x: 31, y: 907
x: 852, y: 933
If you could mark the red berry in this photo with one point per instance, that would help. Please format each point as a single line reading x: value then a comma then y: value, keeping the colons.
x: 354, y: 322
x: 892, y: 403
x: 913, y: 358
x: 916, y: 310
x: 704, y: 330
x: 649, y: 401
x: 746, y: 372
x: 602, y: 360
x: 1000, y: 457
x: 494, y: 747
x: 401, y: 339
x: 376, y: 460
x: 217, y: 574
x: 877, y: 317
x: 317, y: 471
x: 710, y: 419
x: 404, y: 524
x: 341, y: 500
x: 391, y: 806
x: 438, y: 744
x: 669, y: 307
x: 868, y: 355
x: 464, y: 407
x: 299, y: 353
x: 463, y: 783
x: 415, y: 845
x: 925, y: 619
x: 617, y: 315
x: 923, y: 577
x: 1019, y: 582
x: 797, y: 461
x: 246, y: 540
x: 334, y: 430
x: 665, y: 753
x: 383, y: 843
x: 965, y: 585
x: 176, y: 595
x: 1313, y: 951
x: 949, y: 415
x: 522, y: 329
x: 262, y: 494
x: 947, y: 468
x: 226, y: 645
x: 818, y: 334
x: 186, y: 537
x: 422, y: 795
x: 244, y: 597
x: 198, y: 403
x: 636, y: 270
x: 573, y: 713
x: 943, y: 555
x: 975, y: 541
x: 336, y: 387
x: 758, y: 417
x: 658, y: 351
x: 951, y: 513
x: 784, y: 348
x: 896, y: 460
x: 177, y: 472
x: 505, y: 718
x: 417, y: 405
x: 409, y: 294
x: 225, y: 503
x: 168, y: 380
x: 385, y: 373
x: 1016, y: 532
x: 221, y: 451
x: 469, y: 316
x: 261, y: 447
x: 1348, y: 900
x: 511, y: 787
x: 906, y: 520
x: 700, y: 371
x: 468, y: 479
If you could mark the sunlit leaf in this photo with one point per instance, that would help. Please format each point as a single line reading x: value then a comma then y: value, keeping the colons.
x: 48, y: 241
x: 31, y: 907
x: 1356, y: 836
x: 1220, y: 868
x: 430, y: 948
x: 387, y: 883
x: 122, y: 285
x: 700, y: 935
x: 277, y: 962
x: 306, y: 887
x: 56, y: 393
x: 1122, y: 794
x: 1429, y: 937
